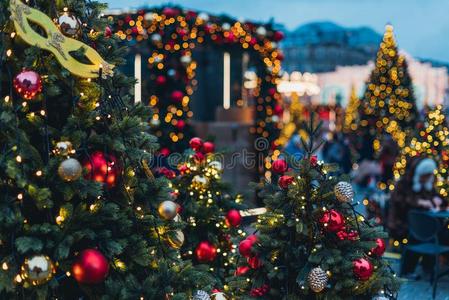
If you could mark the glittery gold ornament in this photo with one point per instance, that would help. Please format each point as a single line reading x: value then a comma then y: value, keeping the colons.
x: 37, y: 270
x: 70, y: 169
x: 317, y: 279
x: 168, y: 210
x: 175, y: 239
x: 200, y: 181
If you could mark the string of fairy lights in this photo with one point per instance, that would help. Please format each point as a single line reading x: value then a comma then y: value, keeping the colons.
x: 169, y: 33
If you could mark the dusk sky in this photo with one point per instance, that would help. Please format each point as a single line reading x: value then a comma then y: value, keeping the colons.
x: 421, y: 26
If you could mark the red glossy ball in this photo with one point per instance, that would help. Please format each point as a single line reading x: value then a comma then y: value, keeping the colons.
x: 199, y: 157
x: 161, y: 80
x: 246, y: 247
x: 208, y: 147
x: 242, y: 270
x: 279, y: 166
x: 196, y: 143
x: 278, y: 110
x: 205, y: 252
x: 379, y: 250
x: 102, y: 168
x: 252, y: 238
x: 332, y: 221
x: 28, y: 84
x: 180, y: 125
x: 91, y: 267
x: 170, y: 12
x: 108, y: 32
x: 254, y: 262
x: 233, y: 218
x: 284, y: 181
x: 362, y: 268
x: 164, y: 152
x: 176, y: 96
x: 272, y: 91
x: 278, y: 36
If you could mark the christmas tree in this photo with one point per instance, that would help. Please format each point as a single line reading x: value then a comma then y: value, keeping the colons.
x: 311, y: 244
x: 388, y: 105
x: 211, y: 213
x: 431, y: 141
x: 352, y: 112
x: 78, y: 198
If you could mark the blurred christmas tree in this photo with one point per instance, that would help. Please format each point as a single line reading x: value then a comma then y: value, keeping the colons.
x: 388, y: 105
x: 211, y: 213
x: 311, y: 244
x: 78, y: 199
x: 432, y: 141
x: 352, y: 111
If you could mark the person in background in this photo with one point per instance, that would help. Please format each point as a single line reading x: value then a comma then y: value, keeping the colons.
x: 415, y: 190
x: 365, y: 179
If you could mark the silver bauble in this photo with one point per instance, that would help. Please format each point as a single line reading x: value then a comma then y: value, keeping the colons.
x: 70, y: 169
x: 69, y: 25
x: 168, y: 210
x: 261, y: 31
x: 37, y: 269
x: 317, y: 279
x: 343, y: 191
x: 203, y: 16
x: 156, y: 38
x: 186, y: 60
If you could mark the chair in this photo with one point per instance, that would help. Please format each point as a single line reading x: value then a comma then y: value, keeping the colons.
x: 425, y: 228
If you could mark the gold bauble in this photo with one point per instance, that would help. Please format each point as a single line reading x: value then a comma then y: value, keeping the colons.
x: 199, y: 181
x: 69, y: 25
x: 70, y: 169
x: 168, y: 210
x: 37, y: 270
x: 63, y: 148
x: 175, y: 239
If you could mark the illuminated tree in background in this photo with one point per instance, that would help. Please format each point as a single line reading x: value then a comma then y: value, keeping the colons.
x: 168, y: 36
x: 352, y: 112
x: 211, y: 213
x: 432, y: 141
x: 388, y: 105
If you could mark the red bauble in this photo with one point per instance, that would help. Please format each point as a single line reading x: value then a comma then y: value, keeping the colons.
x: 196, y: 143
x: 176, y: 96
x: 379, y: 250
x: 285, y: 180
x: 279, y: 166
x: 164, y: 152
x: 259, y: 291
x: 205, y: 252
x: 208, y: 147
x: 102, y: 168
x: 278, y: 110
x: 280, y: 56
x: 233, y: 218
x: 170, y: 12
x: 254, y: 262
x: 246, y: 247
x: 198, y: 157
x: 278, y: 36
x: 253, y: 41
x: 313, y: 160
x: 183, y: 169
x: 108, y: 32
x: 91, y: 267
x: 272, y: 91
x: 252, y: 238
x: 332, y: 221
x: 242, y: 270
x: 27, y: 84
x: 161, y: 80
x: 362, y: 268
x: 180, y: 125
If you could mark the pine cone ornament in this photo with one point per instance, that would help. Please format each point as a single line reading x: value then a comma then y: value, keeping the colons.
x: 343, y: 191
x: 317, y: 279
x: 201, y: 295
